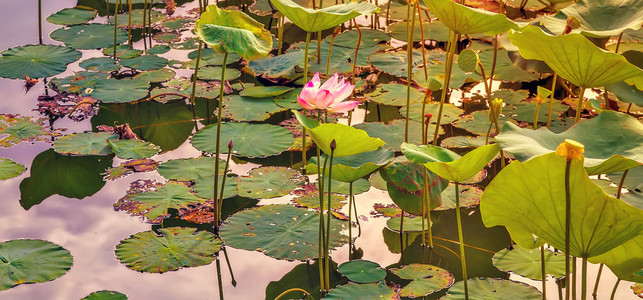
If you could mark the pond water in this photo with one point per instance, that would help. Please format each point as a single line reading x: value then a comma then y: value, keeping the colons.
x: 90, y: 228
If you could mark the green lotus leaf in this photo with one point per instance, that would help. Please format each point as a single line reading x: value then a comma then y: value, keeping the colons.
x: 338, y: 58
x: 122, y: 51
x: 80, y: 83
x: 354, y: 167
x: 153, y: 204
x: 165, y: 125
x: 51, y: 174
x: 233, y: 31
x: 268, y: 182
x: 463, y: 141
x: 493, y: 289
x: 105, y: 295
x: 16, y: 129
x: 145, y: 62
x: 449, y: 165
x: 626, y: 93
x: 393, y: 132
x: 10, y: 169
x: 598, y: 18
x: 625, y: 259
x: 469, y: 196
x: 176, y: 23
x: 605, y: 152
x: 434, y: 30
x: 31, y: 261
x: 133, y: 149
x: 309, y: 198
x: 304, y: 276
x: 36, y: 61
x: 88, y: 143
x: 528, y: 263
x: 72, y: 16
x: 343, y: 188
x: 467, y: 20
x: 362, y: 271
x: 533, y: 207
x: 169, y: 250
x: 250, y: 140
x: 204, y: 186
x: 405, y: 185
x: 574, y: 57
x: 393, y: 94
x: 100, y: 64
x: 312, y: 20
x: 413, y: 224
x: 395, y: 63
x: 363, y: 291
x: 282, y: 66
x: 280, y: 231
x: 160, y: 75
x: 158, y: 49
x: 112, y: 90
x: 212, y: 58
x: 187, y: 169
x: 450, y: 112
x: 426, y: 279
x: 88, y: 36
x: 370, y: 38
x: 167, y: 37
x: 137, y: 18
x: 240, y: 108
x: 506, y: 69
x: 214, y: 73
x: 188, y: 44
x: 265, y: 91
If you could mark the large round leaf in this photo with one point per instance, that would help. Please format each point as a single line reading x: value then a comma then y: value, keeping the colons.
x: 354, y: 167
x: 233, y: 31
x: 426, y: 279
x: 36, y: 61
x: 363, y: 291
x: 362, y: 271
x: 393, y: 133
x: 10, y: 169
x: 466, y: 20
x: 145, y: 62
x: 214, y: 73
x: 268, y: 182
x: 186, y: 169
x: 172, y: 249
x: 394, y: 94
x: 120, y: 90
x: 574, y: 57
x: 528, y: 263
x: 532, y: 208
x: 100, y: 64
x: 31, y: 261
x: 493, y: 289
x: 280, y: 231
x: 72, y: 16
x: 312, y: 20
x: 88, y: 36
x: 240, y: 108
x: 283, y: 66
x: 133, y: 149
x: 405, y: 185
x: 88, y: 143
x: 15, y: 129
x: 605, y: 151
x: 258, y: 140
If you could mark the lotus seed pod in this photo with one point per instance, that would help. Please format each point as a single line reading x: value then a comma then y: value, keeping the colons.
x: 468, y: 60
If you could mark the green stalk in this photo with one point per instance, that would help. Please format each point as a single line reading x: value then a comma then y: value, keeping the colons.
x: 574, y: 273
x: 225, y: 172
x: 542, y: 271
x: 568, y: 216
x: 359, y: 41
x: 303, y: 135
x: 280, y: 33
x: 453, y: 41
x: 330, y: 50
x: 551, y: 99
x: 409, y: 65
x: 463, y: 261
x: 330, y: 172
x: 118, y: 3
x: 598, y: 279
x: 427, y: 203
x: 487, y: 87
x: 196, y: 73
x: 218, y: 142
x: 615, y: 288
x: 308, y: 296
x: 220, y: 283
x: 40, y: 21
x: 227, y: 260
x: 583, y: 292
x: 535, y: 125
x: 322, y: 230
x: 129, y: 24
x: 580, y: 105
x: 144, y: 23
x: 350, y: 219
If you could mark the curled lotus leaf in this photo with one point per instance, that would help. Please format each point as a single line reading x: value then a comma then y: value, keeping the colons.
x: 280, y: 231
x: 36, y: 61
x: 405, y: 185
x: 494, y: 289
x: 169, y: 250
x: 88, y: 36
x: 469, y: 196
x: 605, y: 152
x: 85, y: 143
x: 528, y: 263
x: 574, y: 57
x: 354, y: 167
x: 312, y: 20
x: 268, y: 182
x: 466, y: 20
x: 363, y: 291
x: 426, y: 279
x: 362, y: 271
x: 10, y: 169
x: 31, y: 261
x: 15, y: 129
x: 250, y: 140
x: 233, y: 31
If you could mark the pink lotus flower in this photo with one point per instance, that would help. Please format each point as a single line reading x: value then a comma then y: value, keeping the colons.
x: 328, y: 96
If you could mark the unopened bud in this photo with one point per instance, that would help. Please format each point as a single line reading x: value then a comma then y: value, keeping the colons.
x: 570, y: 149
x: 572, y: 23
x: 427, y: 118
x: 230, y: 145
x: 495, y: 110
x: 333, y: 145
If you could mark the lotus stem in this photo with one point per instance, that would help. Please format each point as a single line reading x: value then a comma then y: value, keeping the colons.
x: 218, y: 142
x: 487, y: 87
x: 427, y: 203
x: 493, y: 62
x: 350, y: 219
x: 620, y: 184
x: 535, y: 124
x: 453, y: 41
x: 426, y: 72
x: 303, y: 135
x: 219, y: 282
x: 568, y: 217
x: 40, y: 22
x: 330, y: 49
x: 194, y: 78
x: 129, y: 24
x: 580, y: 105
x: 614, y: 289
x: 308, y: 296
x: 574, y: 278
x: 280, y: 33
x: 359, y: 41
x: 359, y: 226
x: 149, y: 23
x: 330, y: 181
x: 618, y: 43
x: 583, y: 292
x: 551, y: 99
x: 543, y: 272
x: 463, y: 261
x: 144, y: 26
x: 227, y: 260
x: 118, y: 3
x: 225, y: 173
x: 322, y: 229
x: 598, y: 279
x: 409, y: 65
x: 388, y: 12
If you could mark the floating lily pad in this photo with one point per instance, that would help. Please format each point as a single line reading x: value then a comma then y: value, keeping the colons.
x: 213, y: 58
x: 341, y: 58
x: 303, y: 276
x: 493, y: 289
x: 31, y: 261
x: 281, y: 66
x: 394, y: 94
x: 434, y: 30
x: 410, y: 224
x: 309, y: 198
x: 88, y: 36
x: 469, y: 196
x: 204, y: 186
x: 167, y: 37
x: 176, y: 23
x: 603, y: 18
x: 137, y: 18
x: 393, y: 133
x: 36, y: 61
x: 258, y: 140
x: 338, y: 187
x: 188, y: 44
x: 120, y: 90
x: 122, y: 51
x: 478, y: 122
x: 637, y: 289
x: 396, y: 63
x: 100, y: 64
x: 214, y: 73
x: 10, y: 169
x: 264, y: 91
x: 268, y: 182
x: 186, y: 169
x: 450, y: 112
x: 609, y: 153
x: 426, y: 279
x: 362, y: 271
x: 158, y: 49
x: 280, y: 231
x: 172, y: 249
x: 153, y: 203
x: 15, y: 129
x: 160, y: 75
x: 240, y: 108
x: 89, y: 143
x: 528, y: 263
x: 133, y: 149
x: 72, y: 16
x: 370, y: 38
x: 363, y: 291
x: 81, y: 83
x: 145, y: 62
x: 129, y: 167
x: 105, y: 295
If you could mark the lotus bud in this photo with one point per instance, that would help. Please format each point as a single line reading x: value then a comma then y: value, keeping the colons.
x: 333, y: 145
x: 495, y: 110
x: 572, y: 23
x: 570, y: 149
x: 427, y: 118
x: 230, y: 145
